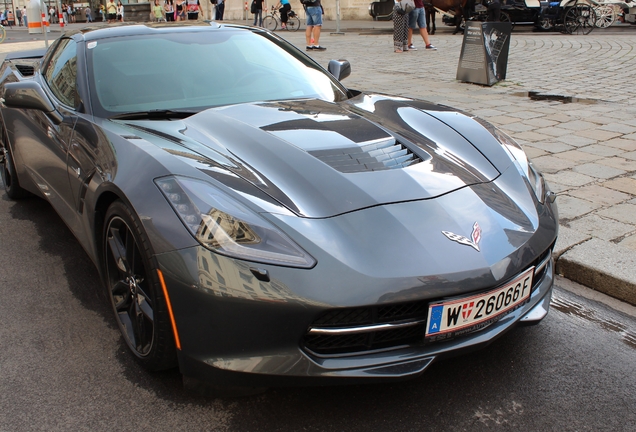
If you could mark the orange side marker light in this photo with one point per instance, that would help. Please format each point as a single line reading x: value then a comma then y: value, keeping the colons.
x: 174, y: 324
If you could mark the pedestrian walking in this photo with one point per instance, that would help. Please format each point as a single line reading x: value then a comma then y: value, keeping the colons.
x: 400, y: 29
x: 181, y: 7
x: 220, y: 9
x: 257, y: 10
x: 24, y: 17
x: 417, y: 19
x: 10, y: 18
x: 89, y: 16
x: 18, y: 16
x: 193, y: 9
x: 494, y: 10
x: 120, y: 12
x: 313, y: 11
x: 168, y: 8
x: 157, y: 12
x: 111, y: 10
x: 213, y: 9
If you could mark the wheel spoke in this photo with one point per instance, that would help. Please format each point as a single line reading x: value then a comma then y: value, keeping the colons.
x: 127, y: 323
x: 121, y: 295
x: 144, y: 305
x: 142, y: 325
x: 118, y: 249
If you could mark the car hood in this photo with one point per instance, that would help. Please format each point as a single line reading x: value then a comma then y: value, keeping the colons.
x: 321, y: 159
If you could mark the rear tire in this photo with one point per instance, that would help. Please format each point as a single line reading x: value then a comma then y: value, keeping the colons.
x: 134, y: 290
x: 9, y: 174
x: 293, y: 23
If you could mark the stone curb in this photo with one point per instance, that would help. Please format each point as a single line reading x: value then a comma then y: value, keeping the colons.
x: 602, y: 266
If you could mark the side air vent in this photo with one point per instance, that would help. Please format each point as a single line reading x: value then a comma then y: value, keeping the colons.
x: 354, y: 330
x: 377, y: 156
x: 25, y: 70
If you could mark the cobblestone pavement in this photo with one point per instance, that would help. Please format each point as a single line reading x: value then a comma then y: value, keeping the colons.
x: 586, y: 149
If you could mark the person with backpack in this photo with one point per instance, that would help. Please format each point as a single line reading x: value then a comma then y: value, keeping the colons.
x: 313, y: 10
x: 257, y: 9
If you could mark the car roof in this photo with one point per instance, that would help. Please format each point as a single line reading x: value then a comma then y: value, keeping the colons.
x: 135, y: 29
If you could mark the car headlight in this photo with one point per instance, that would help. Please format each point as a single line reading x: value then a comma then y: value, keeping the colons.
x: 223, y: 225
x: 525, y: 167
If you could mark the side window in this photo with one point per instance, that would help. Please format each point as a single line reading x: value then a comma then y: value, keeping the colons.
x: 61, y: 71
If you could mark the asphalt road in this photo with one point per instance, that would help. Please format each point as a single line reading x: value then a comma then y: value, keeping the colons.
x: 63, y: 365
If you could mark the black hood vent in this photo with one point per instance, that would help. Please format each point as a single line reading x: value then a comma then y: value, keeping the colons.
x: 377, y: 156
x: 25, y: 70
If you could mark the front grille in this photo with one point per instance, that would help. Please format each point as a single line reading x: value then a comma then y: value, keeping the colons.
x: 25, y: 70
x: 398, y: 314
x: 377, y: 156
x: 368, y: 321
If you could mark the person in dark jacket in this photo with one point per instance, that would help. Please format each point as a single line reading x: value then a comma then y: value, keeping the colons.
x: 494, y: 10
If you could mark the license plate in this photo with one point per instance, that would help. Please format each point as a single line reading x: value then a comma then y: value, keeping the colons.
x: 458, y: 316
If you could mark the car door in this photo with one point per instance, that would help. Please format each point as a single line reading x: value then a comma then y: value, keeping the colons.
x: 45, y: 154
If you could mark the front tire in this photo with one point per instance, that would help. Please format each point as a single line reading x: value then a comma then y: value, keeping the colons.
x: 270, y: 23
x: 134, y: 290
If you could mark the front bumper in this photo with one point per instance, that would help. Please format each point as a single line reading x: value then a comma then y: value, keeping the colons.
x: 243, y: 339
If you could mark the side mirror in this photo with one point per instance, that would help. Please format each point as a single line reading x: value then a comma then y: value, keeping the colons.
x: 30, y: 95
x: 339, y: 68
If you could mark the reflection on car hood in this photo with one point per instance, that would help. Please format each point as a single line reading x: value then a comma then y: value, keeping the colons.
x: 321, y: 159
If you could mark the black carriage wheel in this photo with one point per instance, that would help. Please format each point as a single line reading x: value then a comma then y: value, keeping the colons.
x: 504, y: 17
x: 9, y: 175
x: 134, y: 290
x: 579, y: 19
x: 545, y: 24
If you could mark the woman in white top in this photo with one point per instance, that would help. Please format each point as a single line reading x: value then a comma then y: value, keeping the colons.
x: 120, y: 12
x: 168, y: 8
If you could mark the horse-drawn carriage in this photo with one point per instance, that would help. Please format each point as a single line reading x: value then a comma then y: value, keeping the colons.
x: 568, y: 16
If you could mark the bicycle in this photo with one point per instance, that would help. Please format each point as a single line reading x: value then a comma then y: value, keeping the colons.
x: 3, y: 33
x: 271, y: 21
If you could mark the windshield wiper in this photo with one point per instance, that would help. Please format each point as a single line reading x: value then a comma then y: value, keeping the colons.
x: 156, y: 114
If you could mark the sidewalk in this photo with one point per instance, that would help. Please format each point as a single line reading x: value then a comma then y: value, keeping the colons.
x: 579, y: 126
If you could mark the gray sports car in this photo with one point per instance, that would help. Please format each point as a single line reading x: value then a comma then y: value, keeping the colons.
x: 257, y: 223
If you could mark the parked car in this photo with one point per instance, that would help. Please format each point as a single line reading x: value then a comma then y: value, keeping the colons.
x: 381, y: 10
x: 257, y: 223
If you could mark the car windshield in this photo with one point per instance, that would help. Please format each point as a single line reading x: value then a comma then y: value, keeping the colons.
x: 200, y: 69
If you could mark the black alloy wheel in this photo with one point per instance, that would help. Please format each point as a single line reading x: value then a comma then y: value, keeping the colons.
x: 134, y: 290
